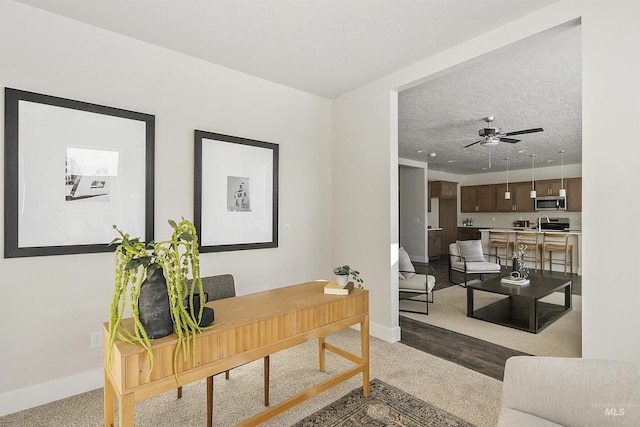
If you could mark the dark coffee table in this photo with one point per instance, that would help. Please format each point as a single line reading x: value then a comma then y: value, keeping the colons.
x: 522, y: 308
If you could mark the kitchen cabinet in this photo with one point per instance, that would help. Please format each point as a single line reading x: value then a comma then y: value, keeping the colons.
x: 478, y: 198
x: 444, y: 189
x: 448, y: 220
x: 520, y: 201
x: 469, y: 233
x: 435, y: 243
x: 429, y: 197
x: 574, y: 194
x: 548, y: 187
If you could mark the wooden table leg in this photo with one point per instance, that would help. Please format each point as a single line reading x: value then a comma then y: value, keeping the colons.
x: 266, y: 381
x: 108, y: 401
x: 364, y: 341
x: 209, y: 401
x: 321, y: 348
x: 125, y: 410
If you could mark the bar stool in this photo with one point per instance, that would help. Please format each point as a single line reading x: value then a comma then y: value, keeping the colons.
x: 557, y: 242
x: 500, y: 240
x: 533, y: 241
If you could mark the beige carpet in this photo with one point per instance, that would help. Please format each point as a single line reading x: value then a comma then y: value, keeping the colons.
x: 472, y: 396
x: 449, y: 311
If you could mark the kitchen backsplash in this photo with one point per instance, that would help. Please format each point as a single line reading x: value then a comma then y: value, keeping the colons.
x: 506, y: 219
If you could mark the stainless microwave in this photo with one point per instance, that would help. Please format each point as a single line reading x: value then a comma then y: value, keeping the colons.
x: 551, y: 203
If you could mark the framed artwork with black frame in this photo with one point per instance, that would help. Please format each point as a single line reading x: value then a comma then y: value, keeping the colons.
x: 236, y: 192
x: 73, y: 170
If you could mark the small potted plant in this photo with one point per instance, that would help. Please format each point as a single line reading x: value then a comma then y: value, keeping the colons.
x: 343, y: 272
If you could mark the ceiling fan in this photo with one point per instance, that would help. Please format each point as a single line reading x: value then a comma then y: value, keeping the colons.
x: 491, y: 135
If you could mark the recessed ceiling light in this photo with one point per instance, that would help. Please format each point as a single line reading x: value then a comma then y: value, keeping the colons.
x: 450, y: 161
x: 432, y: 154
x: 522, y: 151
x: 550, y: 161
x: 420, y: 151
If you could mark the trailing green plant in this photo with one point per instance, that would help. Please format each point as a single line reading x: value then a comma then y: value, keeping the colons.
x: 134, y: 262
x: 345, y: 270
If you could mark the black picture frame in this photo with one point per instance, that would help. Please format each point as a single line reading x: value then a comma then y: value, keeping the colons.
x: 104, y: 155
x: 235, y: 192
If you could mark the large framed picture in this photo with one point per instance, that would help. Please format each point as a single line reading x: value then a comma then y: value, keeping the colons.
x: 236, y: 192
x: 73, y: 170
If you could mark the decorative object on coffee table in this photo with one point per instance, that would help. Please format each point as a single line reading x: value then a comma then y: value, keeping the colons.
x: 343, y: 272
x: 519, y: 261
x: 171, y: 264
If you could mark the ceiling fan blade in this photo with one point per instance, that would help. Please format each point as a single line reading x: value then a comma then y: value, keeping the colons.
x: 473, y: 143
x: 509, y: 140
x: 522, y: 132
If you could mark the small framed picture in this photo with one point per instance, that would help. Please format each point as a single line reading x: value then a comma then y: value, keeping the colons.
x: 236, y: 192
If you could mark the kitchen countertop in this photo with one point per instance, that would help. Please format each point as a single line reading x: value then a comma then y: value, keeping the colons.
x: 434, y: 229
x: 514, y: 229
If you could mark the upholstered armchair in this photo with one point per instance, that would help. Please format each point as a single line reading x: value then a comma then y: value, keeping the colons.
x: 466, y: 257
x: 413, y: 285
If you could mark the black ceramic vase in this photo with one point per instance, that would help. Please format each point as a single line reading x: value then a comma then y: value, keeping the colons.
x: 516, y: 265
x: 153, y: 306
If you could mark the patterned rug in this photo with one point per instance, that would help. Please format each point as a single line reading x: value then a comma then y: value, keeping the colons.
x: 385, y: 406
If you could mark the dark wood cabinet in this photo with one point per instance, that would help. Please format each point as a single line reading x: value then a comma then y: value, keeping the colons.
x: 469, y: 233
x: 444, y: 189
x: 574, y: 194
x: 548, y: 187
x: 520, y: 200
x: 478, y: 198
x: 435, y: 243
x: 448, y: 220
x: 429, y: 197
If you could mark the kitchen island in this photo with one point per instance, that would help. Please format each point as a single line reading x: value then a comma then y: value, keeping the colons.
x: 575, y: 240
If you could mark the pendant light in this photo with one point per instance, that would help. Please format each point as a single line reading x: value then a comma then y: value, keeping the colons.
x: 563, y: 191
x: 532, y: 194
x: 507, y: 194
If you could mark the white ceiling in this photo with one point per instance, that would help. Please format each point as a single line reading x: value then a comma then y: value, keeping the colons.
x: 330, y: 47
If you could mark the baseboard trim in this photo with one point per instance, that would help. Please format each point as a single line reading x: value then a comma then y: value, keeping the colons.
x: 39, y: 394
x: 384, y: 333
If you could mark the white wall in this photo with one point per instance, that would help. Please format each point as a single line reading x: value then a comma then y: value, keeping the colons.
x: 50, y: 305
x: 611, y: 105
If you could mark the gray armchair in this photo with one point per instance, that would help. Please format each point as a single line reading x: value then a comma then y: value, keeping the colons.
x: 413, y: 285
x: 466, y: 257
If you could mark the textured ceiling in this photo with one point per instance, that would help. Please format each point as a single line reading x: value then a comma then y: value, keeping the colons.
x: 534, y: 84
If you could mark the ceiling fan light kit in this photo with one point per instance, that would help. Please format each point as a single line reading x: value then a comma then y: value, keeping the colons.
x: 492, y: 135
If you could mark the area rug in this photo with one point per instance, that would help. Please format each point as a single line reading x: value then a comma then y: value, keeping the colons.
x: 385, y: 406
x: 449, y: 311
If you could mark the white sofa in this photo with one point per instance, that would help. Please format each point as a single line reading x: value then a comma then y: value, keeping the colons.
x: 562, y: 391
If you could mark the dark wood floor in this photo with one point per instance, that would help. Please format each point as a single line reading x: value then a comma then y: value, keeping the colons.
x: 481, y: 356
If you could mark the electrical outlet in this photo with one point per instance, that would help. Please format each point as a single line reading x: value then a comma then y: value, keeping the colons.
x: 96, y: 339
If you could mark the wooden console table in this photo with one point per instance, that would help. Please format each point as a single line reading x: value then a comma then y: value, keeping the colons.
x: 253, y: 326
